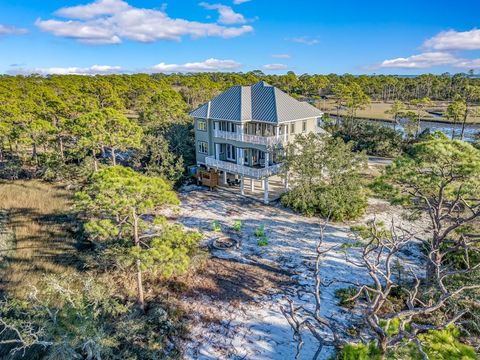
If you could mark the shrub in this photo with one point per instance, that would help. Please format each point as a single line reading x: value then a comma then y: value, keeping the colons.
x: 81, y: 315
x: 373, y: 138
x: 437, y: 344
x: 343, y: 202
x: 237, y: 226
x: 326, y: 178
x: 345, y: 294
x: 216, y: 226
x: 263, y: 241
x: 260, y: 231
x: 359, y: 352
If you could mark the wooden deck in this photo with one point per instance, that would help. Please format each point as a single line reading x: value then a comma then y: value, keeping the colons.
x: 275, y: 188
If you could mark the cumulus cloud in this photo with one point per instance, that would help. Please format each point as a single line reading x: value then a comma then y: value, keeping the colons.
x: 468, y: 63
x: 275, y: 67
x: 420, y: 61
x: 92, y: 70
x: 111, y: 21
x: 429, y: 59
x: 281, y: 56
x: 454, y: 40
x: 209, y: 65
x: 226, y: 14
x: 11, y: 30
x: 440, y: 50
x: 307, y: 40
x: 238, y: 2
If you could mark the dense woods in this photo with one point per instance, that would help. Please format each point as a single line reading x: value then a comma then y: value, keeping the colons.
x: 123, y: 144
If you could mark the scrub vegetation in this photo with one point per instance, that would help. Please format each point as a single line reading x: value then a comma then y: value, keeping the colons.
x: 96, y: 262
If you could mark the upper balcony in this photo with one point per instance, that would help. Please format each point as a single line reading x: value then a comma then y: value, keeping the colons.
x: 252, y: 139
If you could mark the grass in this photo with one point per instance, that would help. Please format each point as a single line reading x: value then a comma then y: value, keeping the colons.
x: 43, y: 228
x: 376, y: 110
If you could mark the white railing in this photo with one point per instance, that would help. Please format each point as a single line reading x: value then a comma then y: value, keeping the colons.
x: 252, y: 139
x: 233, y: 168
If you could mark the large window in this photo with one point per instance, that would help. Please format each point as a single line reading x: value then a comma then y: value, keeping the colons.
x: 304, y: 126
x: 292, y: 128
x: 201, y: 125
x: 226, y: 126
x: 203, y: 147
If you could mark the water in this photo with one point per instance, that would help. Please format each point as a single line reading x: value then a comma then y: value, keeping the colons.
x: 470, y: 129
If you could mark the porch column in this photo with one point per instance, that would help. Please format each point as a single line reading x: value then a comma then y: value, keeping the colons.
x: 224, y: 178
x: 242, y: 185
x: 277, y: 132
x: 242, y: 131
x: 265, y: 192
x: 240, y: 156
x: 285, y: 132
x: 217, y: 151
x: 252, y: 184
x: 267, y: 159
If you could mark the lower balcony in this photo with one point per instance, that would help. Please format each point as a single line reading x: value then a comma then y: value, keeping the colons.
x: 256, y: 173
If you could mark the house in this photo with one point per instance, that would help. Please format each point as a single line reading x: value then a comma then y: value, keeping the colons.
x: 243, y: 130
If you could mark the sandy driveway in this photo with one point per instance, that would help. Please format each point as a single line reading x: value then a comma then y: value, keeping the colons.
x: 255, y: 328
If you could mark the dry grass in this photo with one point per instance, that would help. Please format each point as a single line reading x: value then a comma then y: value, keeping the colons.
x: 43, y: 226
x: 376, y: 110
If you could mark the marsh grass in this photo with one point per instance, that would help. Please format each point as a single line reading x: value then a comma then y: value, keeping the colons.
x: 43, y: 227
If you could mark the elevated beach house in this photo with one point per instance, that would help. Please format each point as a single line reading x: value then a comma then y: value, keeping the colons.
x: 242, y: 132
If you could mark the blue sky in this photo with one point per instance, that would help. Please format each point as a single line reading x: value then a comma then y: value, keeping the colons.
x: 110, y: 36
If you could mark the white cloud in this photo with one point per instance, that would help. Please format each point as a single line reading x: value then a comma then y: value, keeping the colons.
x: 281, y: 56
x: 92, y: 10
x: 238, y: 2
x: 420, y: 61
x: 209, y: 65
x: 468, y: 64
x: 275, y: 67
x: 307, y: 40
x: 11, y: 30
x: 429, y: 59
x: 454, y: 40
x: 226, y: 14
x: 111, y: 21
x: 92, y: 70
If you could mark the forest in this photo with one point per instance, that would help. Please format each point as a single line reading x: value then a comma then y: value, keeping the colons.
x: 97, y: 166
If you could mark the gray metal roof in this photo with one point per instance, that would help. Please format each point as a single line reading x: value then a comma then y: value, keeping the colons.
x: 259, y: 102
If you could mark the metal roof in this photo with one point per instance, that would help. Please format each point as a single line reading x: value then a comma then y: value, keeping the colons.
x: 259, y: 102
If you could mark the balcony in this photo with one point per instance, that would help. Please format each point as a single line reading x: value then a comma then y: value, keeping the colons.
x: 247, y: 138
x: 256, y: 173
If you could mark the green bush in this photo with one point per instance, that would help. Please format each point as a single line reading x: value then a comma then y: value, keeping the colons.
x: 263, y: 241
x: 340, y: 202
x: 81, y: 315
x: 359, y: 352
x: 237, y: 226
x: 344, y: 294
x: 216, y: 226
x: 373, y: 138
x: 260, y: 231
x: 437, y: 344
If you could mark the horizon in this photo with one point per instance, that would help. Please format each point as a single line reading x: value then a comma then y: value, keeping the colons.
x: 87, y: 37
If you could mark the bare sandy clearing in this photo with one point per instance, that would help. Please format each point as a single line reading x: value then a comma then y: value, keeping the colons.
x: 254, y: 327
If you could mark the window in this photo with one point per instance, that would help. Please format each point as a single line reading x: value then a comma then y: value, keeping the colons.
x: 304, y: 126
x: 231, y: 152
x: 203, y: 147
x: 201, y: 125
x: 292, y: 128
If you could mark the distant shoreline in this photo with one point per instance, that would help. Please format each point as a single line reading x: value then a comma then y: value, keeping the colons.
x: 439, y: 121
